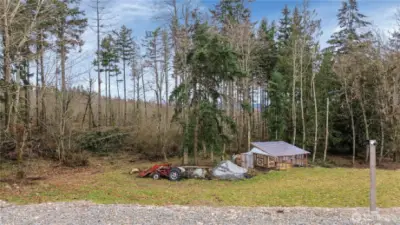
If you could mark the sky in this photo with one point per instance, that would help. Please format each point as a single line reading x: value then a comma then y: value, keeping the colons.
x: 144, y: 15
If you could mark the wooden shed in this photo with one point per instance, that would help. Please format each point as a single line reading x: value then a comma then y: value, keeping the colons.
x: 274, y: 155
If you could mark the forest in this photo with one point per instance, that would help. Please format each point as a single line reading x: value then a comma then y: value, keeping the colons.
x: 204, y: 85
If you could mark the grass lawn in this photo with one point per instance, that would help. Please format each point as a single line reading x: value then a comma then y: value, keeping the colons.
x: 111, y: 183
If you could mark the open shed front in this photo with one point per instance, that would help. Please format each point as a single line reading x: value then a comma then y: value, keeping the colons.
x: 274, y: 155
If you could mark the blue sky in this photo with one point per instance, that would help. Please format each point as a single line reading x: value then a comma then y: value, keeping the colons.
x: 139, y: 15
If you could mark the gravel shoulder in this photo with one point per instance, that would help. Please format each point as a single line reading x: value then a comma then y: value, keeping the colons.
x: 89, y: 213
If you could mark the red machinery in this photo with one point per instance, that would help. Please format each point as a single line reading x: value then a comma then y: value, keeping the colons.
x: 163, y: 170
x: 157, y: 171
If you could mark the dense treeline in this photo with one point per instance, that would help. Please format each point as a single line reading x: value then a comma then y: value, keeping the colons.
x: 229, y: 79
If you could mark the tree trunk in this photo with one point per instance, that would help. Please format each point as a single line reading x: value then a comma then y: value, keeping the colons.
x: 138, y: 111
x: 119, y: 101
x: 144, y: 94
x: 43, y: 83
x: 110, y: 111
x: 137, y: 92
x: 262, y: 112
x: 354, y: 136
x: 239, y: 120
x: 196, y: 138
x: 38, y: 114
x: 84, y: 114
x: 134, y: 102
x: 252, y: 117
x: 382, y: 140
x: 56, y: 93
x: 159, y: 122
x: 326, y: 128
x: 353, y: 129
x: 316, y: 119
x: 230, y: 101
x: 21, y: 145
x: 185, y: 155
x: 212, y: 155
x: 294, y: 114
x: 124, y: 93
x: 249, y: 101
x: 27, y: 89
x: 98, y: 65
x: 91, y: 116
x: 303, y: 121
x: 248, y: 132
x: 366, y: 126
x: 7, y: 71
x: 166, y: 69
x: 175, y: 36
x: 15, y: 103
x: 106, y: 92
x: 231, y: 98
x: 63, y: 99
x: 204, y: 149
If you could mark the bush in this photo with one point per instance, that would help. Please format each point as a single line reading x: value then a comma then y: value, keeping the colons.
x: 76, y: 159
x: 7, y: 150
x: 101, y: 141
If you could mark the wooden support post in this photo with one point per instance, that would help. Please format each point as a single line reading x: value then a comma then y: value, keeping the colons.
x: 306, y: 160
x: 372, y: 172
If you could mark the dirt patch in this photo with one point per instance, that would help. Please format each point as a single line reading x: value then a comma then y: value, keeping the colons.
x: 24, y: 181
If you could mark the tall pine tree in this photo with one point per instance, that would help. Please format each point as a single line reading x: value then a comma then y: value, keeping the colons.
x: 125, y: 47
x: 351, y: 23
x: 70, y: 25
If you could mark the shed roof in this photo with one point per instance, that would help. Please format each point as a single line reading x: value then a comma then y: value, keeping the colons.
x: 279, y: 148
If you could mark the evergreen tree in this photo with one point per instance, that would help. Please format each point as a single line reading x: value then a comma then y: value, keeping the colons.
x: 108, y: 60
x: 283, y: 43
x: 267, y: 52
x: 265, y: 64
x: 42, y: 44
x: 350, y: 22
x: 284, y: 27
x: 296, y: 25
x: 231, y: 11
x: 234, y: 18
x: 69, y: 26
x: 125, y: 47
x: 211, y: 62
x: 276, y: 108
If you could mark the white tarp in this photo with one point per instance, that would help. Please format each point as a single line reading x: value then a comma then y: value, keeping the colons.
x: 227, y: 170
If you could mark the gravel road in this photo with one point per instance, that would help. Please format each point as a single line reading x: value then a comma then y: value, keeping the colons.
x: 75, y: 213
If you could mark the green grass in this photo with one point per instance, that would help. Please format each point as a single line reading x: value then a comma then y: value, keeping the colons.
x: 322, y: 187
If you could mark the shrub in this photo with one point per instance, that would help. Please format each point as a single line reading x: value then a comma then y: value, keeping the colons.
x: 75, y: 159
x: 101, y: 141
